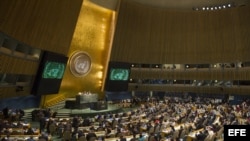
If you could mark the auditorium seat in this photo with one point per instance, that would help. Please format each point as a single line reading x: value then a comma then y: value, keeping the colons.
x: 82, y: 138
x: 92, y: 139
x: 67, y: 135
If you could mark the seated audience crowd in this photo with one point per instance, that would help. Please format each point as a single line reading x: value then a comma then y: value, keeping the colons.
x: 169, y: 119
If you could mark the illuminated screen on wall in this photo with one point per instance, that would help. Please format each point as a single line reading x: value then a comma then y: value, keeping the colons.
x: 53, y: 70
x: 50, y: 73
x: 117, y: 76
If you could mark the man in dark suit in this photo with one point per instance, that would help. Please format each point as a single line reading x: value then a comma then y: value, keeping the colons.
x: 86, y: 122
x: 44, y: 136
x: 6, y: 112
x: 90, y: 135
x: 42, y: 122
x: 122, y: 138
x: 201, y: 136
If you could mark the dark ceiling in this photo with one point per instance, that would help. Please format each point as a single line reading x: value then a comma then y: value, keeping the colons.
x: 189, y: 4
x: 176, y: 4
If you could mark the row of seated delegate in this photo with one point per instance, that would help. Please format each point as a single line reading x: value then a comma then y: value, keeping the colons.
x: 163, y: 120
x: 14, y: 127
x: 160, y: 121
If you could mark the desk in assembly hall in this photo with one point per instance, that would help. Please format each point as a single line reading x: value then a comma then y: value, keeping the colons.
x: 86, y: 100
x: 81, y: 100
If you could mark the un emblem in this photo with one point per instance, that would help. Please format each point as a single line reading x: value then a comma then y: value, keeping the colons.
x: 80, y: 63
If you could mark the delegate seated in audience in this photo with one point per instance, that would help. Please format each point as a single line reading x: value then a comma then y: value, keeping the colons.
x: 30, y: 131
x: 75, y: 123
x: 6, y: 138
x: 202, y: 135
x: 18, y: 125
x: 168, y: 113
x: 108, y: 132
x: 141, y: 138
x: 86, y: 122
x: 44, y: 136
x: 91, y: 135
x: 6, y: 112
x: 42, y: 123
x: 122, y: 138
x: 31, y: 138
x: 80, y: 133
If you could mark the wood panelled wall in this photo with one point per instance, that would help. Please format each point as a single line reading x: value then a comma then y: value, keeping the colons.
x: 152, y: 36
x: 15, y: 65
x: 194, y: 74
x: 147, y: 35
x: 185, y: 88
x: 229, y: 74
x: 44, y: 24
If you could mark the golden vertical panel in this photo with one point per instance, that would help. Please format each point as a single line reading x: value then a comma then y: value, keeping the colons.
x: 93, y: 35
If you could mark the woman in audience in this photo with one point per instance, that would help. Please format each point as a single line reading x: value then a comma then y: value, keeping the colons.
x: 107, y: 132
x: 91, y: 136
x: 141, y: 137
x: 31, y: 138
x: 29, y: 131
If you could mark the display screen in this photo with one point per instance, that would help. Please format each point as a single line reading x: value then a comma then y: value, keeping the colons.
x: 53, y: 70
x: 117, y: 77
x: 50, y: 73
x: 119, y: 74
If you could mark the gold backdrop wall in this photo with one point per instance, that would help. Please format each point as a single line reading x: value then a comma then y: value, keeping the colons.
x: 93, y: 36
